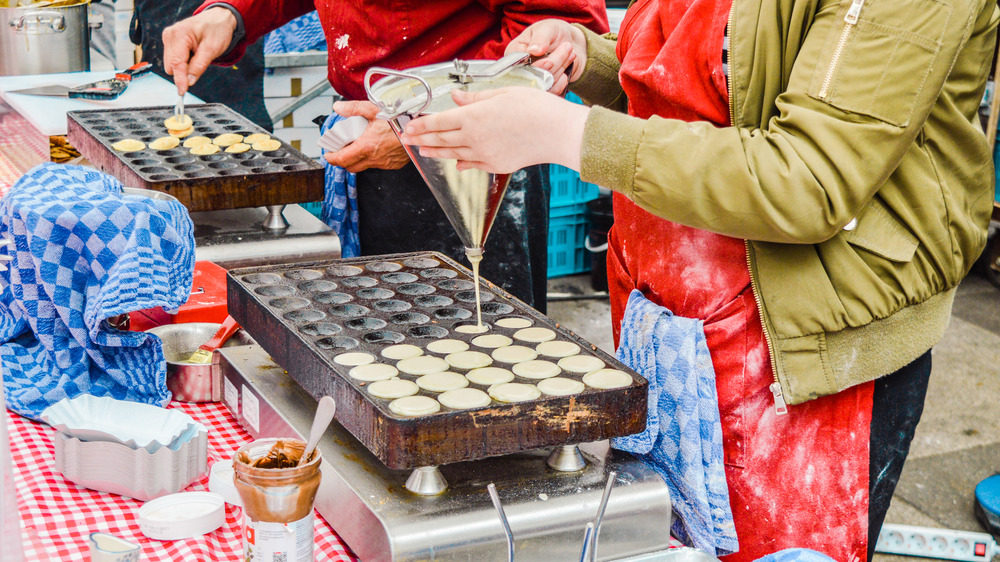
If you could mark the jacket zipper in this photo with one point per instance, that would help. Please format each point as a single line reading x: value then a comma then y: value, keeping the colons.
x: 779, y: 400
x: 850, y: 20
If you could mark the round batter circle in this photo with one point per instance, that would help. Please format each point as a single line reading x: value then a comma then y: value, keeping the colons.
x: 178, y: 122
x: 255, y: 138
x: 204, y: 149
x: 514, y: 354
x: 414, y: 406
x: 442, y: 382
x: 422, y: 365
x: 537, y: 369
x: 165, y: 143
x: 556, y: 348
x: 393, y: 388
x: 227, y: 139
x: 607, y: 378
x: 373, y: 372
x: 534, y: 335
x: 472, y: 329
x: 182, y: 133
x: 492, y: 340
x: 238, y: 148
x: 447, y: 346
x: 580, y: 363
x: 129, y: 145
x: 489, y: 376
x: 354, y: 358
x: 196, y: 141
x: 464, y: 399
x: 401, y: 351
x: 514, y: 392
x: 468, y: 360
x: 560, y: 386
x: 514, y: 323
x: 267, y: 145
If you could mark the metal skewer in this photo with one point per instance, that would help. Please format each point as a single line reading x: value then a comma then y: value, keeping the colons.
x: 600, y: 514
x: 492, y: 489
x: 179, y: 108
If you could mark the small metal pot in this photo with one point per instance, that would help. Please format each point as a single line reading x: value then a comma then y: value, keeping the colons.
x: 44, y: 37
x: 191, y: 382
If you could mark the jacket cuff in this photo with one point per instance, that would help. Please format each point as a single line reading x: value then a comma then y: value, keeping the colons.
x: 598, y: 84
x: 614, y: 169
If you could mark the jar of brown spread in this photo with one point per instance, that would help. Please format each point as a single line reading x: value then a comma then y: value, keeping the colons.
x: 278, y: 497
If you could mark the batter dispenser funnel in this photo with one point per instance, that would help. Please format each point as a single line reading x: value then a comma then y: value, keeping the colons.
x: 470, y: 198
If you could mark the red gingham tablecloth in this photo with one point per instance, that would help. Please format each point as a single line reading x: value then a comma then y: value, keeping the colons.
x: 57, y: 515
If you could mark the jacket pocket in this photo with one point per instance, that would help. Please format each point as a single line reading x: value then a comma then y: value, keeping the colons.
x: 878, y: 55
x: 878, y: 232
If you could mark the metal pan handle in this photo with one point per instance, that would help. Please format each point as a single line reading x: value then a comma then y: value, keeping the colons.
x: 390, y: 112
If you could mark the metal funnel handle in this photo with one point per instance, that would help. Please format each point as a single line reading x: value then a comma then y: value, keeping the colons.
x: 390, y: 112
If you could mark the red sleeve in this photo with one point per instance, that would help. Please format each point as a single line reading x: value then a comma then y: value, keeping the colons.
x: 260, y: 17
x: 517, y: 15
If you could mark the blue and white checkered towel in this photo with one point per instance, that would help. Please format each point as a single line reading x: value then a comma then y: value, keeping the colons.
x: 683, y: 436
x: 303, y: 33
x: 340, y: 203
x: 84, y: 252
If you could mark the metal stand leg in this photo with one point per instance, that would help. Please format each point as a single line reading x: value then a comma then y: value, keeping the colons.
x: 426, y: 481
x: 566, y: 458
x: 275, y: 219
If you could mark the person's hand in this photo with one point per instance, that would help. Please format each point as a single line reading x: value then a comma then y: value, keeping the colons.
x: 377, y: 147
x: 502, y: 130
x: 191, y: 44
x: 563, y: 47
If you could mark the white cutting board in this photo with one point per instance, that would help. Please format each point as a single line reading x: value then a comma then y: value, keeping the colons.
x: 48, y: 114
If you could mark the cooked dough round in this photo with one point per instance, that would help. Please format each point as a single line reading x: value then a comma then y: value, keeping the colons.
x: 535, y: 335
x: 422, y: 365
x: 492, y: 340
x: 267, y: 145
x: 178, y: 122
x: 464, y: 399
x: 393, y: 388
x: 514, y: 392
x: 580, y: 363
x: 447, y: 346
x: 489, y: 376
x: 560, y: 386
x: 129, y: 145
x: 537, y: 369
x: 442, y: 382
x: 514, y: 354
x: 165, y: 143
x: 514, y: 323
x: 607, y: 378
x: 196, y: 141
x: 557, y: 348
x: 402, y: 351
x: 373, y: 372
x: 468, y: 360
x: 182, y: 133
x: 414, y: 406
x: 238, y: 148
x: 472, y: 329
x: 204, y: 149
x: 227, y: 139
x: 354, y: 358
x: 255, y: 138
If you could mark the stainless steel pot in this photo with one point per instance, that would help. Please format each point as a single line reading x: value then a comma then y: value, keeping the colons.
x: 44, y: 37
x: 190, y: 382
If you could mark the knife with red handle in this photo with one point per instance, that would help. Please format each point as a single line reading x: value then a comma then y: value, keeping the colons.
x: 110, y: 89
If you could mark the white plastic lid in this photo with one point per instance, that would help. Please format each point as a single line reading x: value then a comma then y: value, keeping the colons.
x: 220, y: 481
x: 182, y: 516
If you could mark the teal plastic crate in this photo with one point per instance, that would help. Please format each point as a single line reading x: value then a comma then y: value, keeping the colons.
x: 567, y: 187
x: 316, y: 208
x: 567, y: 254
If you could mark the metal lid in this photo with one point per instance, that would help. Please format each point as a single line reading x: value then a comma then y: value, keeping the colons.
x: 425, y: 90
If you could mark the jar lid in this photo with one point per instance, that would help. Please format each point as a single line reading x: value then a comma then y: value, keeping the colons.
x: 220, y: 481
x: 181, y: 516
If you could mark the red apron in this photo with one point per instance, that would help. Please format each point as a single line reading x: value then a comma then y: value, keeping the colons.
x: 795, y: 480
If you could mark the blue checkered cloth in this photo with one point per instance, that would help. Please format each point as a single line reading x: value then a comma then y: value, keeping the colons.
x: 683, y: 436
x: 796, y: 555
x: 303, y: 33
x: 340, y: 201
x: 84, y: 252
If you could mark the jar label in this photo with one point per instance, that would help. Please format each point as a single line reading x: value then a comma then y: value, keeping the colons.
x: 264, y: 541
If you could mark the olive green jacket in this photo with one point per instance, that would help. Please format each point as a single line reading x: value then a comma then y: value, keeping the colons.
x: 856, y: 169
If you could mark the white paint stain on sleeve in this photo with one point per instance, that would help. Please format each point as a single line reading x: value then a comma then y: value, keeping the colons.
x: 341, y: 42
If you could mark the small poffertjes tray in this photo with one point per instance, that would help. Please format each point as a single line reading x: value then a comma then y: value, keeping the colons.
x: 203, y: 183
x: 320, y: 319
